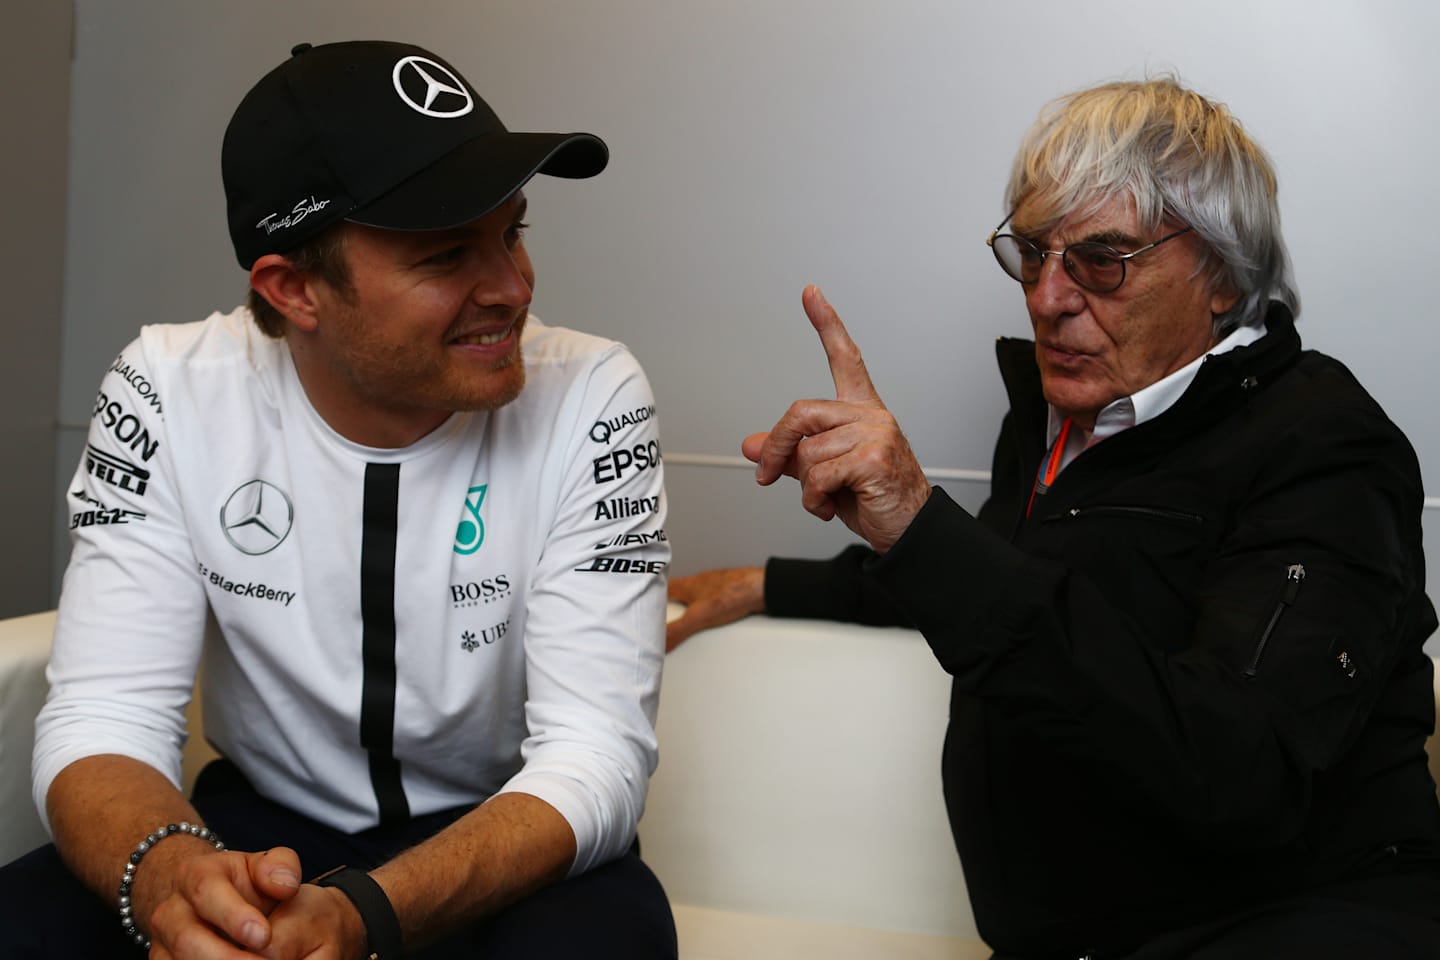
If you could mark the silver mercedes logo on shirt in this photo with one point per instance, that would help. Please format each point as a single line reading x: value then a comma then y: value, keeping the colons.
x: 257, y: 517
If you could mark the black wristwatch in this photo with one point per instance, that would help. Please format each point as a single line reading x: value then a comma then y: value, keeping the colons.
x: 382, y: 927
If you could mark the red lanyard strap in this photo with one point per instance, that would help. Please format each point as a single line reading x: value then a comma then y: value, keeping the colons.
x: 1046, y: 475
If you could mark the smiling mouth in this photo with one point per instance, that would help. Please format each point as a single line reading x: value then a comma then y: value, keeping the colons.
x: 482, y: 339
x: 487, y: 334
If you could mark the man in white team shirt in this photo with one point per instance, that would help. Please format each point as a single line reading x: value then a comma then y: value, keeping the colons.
x: 430, y: 531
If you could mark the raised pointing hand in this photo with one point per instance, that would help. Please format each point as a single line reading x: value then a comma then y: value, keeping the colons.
x: 849, y: 454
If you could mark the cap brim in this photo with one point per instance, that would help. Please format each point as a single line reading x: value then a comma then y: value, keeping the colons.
x: 477, y: 176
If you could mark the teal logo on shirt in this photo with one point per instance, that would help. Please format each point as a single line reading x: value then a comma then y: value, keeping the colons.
x: 471, y: 532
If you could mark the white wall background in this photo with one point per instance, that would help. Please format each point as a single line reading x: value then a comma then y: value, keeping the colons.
x: 759, y: 146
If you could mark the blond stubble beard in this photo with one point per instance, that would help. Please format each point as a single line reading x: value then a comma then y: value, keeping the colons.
x: 512, y: 387
x: 391, y: 378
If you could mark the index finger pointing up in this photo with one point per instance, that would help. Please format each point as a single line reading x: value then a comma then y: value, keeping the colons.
x: 847, y: 367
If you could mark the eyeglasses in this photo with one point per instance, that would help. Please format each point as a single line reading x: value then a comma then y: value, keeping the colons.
x: 1097, y: 267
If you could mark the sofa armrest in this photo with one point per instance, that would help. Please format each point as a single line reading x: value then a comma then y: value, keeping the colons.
x: 24, y: 652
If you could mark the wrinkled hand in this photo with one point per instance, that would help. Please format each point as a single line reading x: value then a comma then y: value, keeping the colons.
x: 849, y: 454
x: 219, y: 904
x: 713, y: 598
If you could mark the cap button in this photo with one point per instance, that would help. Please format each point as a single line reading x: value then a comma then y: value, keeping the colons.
x: 299, y: 48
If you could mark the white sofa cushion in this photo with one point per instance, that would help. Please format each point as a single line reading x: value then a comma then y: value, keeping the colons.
x: 800, y: 777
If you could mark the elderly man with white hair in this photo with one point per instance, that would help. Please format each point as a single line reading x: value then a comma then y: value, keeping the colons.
x: 1185, y: 630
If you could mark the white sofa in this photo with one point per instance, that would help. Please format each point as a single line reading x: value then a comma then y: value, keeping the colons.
x: 796, y: 812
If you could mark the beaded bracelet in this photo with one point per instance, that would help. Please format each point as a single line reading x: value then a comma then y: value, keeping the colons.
x: 127, y: 917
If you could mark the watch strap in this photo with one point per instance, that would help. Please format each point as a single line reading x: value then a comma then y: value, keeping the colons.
x: 382, y: 927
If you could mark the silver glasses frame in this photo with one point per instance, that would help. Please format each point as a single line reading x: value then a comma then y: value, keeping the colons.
x: 1064, y: 255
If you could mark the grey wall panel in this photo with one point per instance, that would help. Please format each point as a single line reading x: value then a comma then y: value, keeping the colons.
x: 27, y: 491
x: 35, y: 106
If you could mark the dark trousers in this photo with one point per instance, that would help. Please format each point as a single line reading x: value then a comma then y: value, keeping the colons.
x: 1361, y: 921
x: 1314, y: 928
x: 617, y: 911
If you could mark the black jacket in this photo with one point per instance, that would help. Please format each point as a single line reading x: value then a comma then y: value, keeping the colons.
x: 1192, y: 680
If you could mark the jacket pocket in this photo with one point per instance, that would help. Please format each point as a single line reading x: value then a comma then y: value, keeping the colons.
x: 1101, y: 510
x: 1294, y: 576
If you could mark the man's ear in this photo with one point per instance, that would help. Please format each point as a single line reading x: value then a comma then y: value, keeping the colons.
x: 286, y: 289
x: 1223, y: 298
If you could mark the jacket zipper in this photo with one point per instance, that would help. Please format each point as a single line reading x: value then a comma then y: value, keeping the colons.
x: 1294, y: 576
x: 1154, y: 513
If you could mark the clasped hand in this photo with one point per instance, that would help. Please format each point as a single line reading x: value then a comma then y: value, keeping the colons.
x: 232, y: 906
x: 849, y: 454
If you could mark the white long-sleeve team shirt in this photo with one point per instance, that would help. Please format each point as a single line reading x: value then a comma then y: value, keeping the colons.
x: 401, y: 631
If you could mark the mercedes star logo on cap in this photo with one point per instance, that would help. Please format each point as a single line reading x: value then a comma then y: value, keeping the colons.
x: 439, y: 82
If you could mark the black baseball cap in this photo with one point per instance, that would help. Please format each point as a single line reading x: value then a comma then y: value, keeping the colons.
x: 379, y: 133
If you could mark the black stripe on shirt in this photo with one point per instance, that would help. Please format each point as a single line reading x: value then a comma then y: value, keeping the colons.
x: 377, y: 612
